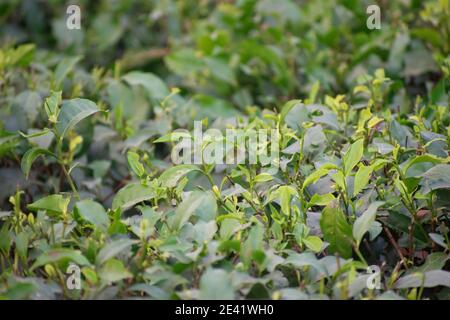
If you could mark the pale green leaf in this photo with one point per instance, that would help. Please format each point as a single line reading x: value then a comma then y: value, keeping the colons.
x: 171, y: 176
x: 114, y: 271
x: 93, y: 212
x: 72, y: 112
x: 200, y: 203
x: 365, y: 220
x: 435, y: 261
x: 314, y: 243
x: 263, y: 177
x: 131, y: 195
x: 426, y: 279
x: 353, y: 156
x: 362, y: 178
x: 58, y: 255
x: 215, y: 284
x: 113, y: 248
x: 30, y: 156
x: 135, y: 164
x: 154, y: 86
x: 55, y: 204
x: 438, y: 177
x: 63, y: 68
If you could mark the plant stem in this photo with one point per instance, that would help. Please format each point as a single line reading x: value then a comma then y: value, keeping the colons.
x: 396, y: 247
x: 360, y: 256
x: 63, y: 166
x: 70, y: 181
x: 210, y: 179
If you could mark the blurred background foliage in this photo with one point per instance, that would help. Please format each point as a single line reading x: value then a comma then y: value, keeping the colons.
x: 155, y: 66
x: 256, y: 52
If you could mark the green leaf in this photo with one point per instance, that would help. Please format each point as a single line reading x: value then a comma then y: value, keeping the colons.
x: 314, y: 243
x: 437, y: 177
x: 427, y: 279
x: 93, y: 212
x: 113, y: 248
x: 53, y: 204
x: 253, y: 244
x: 201, y: 203
x: 25, y: 108
x: 171, y: 176
x: 362, y: 178
x: 184, y: 62
x: 204, y: 231
x: 284, y: 193
x: 22, y: 244
x: 262, y: 177
x: 173, y: 137
x: 423, y: 158
x: 220, y: 69
x: 339, y: 179
x: 300, y: 232
x: 35, y: 134
x: 21, y: 56
x: 20, y: 290
x: 353, y: 156
x: 321, y: 199
x: 117, y: 226
x: 288, y: 107
x: 215, y: 284
x: 5, y: 240
x: 59, y: 255
x: 435, y: 261
x: 201, y: 106
x: 336, y: 230
x: 401, y: 187
x: 51, y: 105
x: 364, y: 221
x: 228, y: 227
x: 304, y: 259
x: 427, y: 34
x: 314, y: 176
x: 114, y: 271
x: 439, y: 239
x: 208, y: 210
x: 135, y: 164
x: 90, y: 275
x: 72, y: 112
x: 131, y: 195
x: 154, y: 86
x: 150, y: 290
x: 30, y: 156
x: 63, y: 68
x: 100, y: 167
x: 401, y: 222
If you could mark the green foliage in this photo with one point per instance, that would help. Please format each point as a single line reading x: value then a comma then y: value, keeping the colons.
x: 336, y: 230
x: 89, y: 119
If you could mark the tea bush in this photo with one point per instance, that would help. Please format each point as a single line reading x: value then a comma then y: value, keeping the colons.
x: 358, y: 119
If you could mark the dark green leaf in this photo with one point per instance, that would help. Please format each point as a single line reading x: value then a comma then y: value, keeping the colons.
x: 93, y: 212
x: 336, y: 230
x: 131, y: 195
x: 72, y: 112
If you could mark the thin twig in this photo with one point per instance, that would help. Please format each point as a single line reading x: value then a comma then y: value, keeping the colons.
x: 396, y: 247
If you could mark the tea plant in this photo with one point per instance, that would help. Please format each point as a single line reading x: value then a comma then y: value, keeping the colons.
x: 358, y: 178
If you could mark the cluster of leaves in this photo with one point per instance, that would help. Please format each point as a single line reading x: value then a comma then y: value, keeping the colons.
x: 85, y: 167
